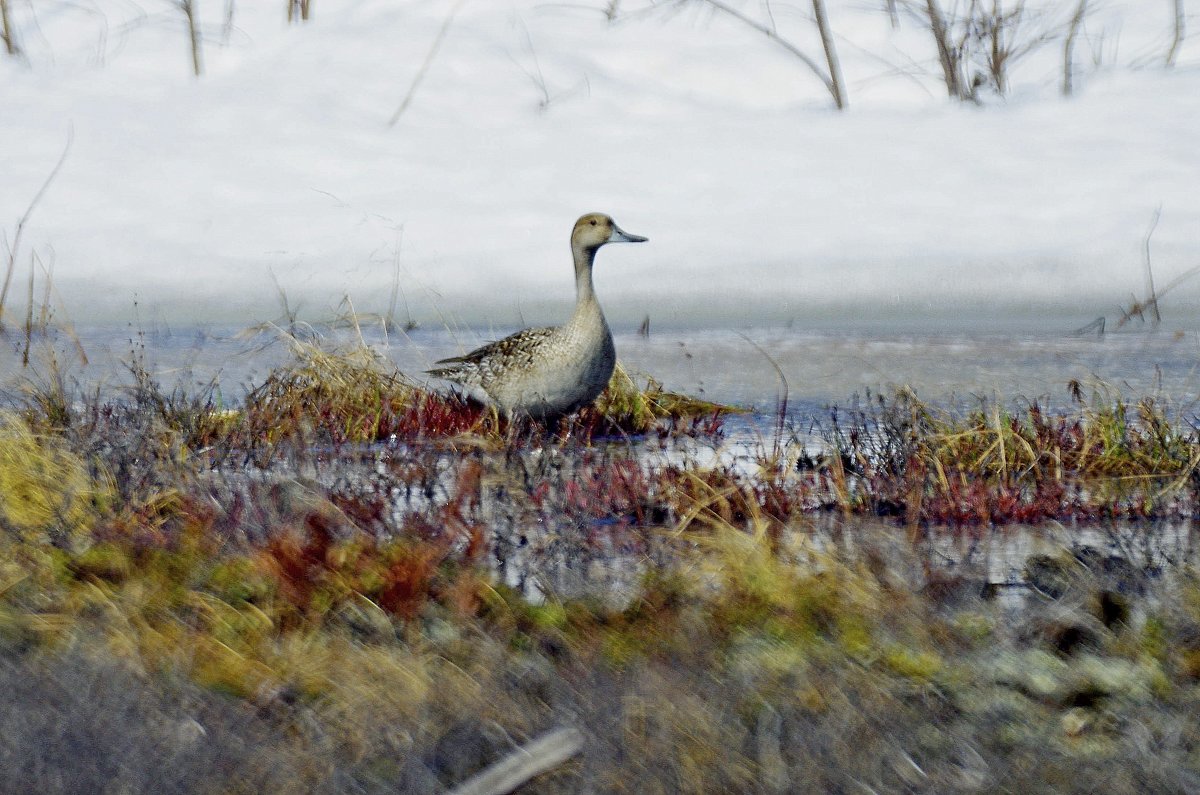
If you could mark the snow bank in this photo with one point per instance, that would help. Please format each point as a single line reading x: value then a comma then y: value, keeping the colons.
x: 762, y: 204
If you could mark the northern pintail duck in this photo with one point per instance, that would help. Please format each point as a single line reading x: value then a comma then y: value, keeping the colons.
x: 549, y: 372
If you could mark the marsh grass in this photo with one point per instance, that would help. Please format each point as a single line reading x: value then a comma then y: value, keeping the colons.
x: 175, y: 583
x: 355, y: 396
x: 1110, y: 457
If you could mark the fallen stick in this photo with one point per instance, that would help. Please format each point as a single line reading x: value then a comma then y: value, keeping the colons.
x: 532, y: 759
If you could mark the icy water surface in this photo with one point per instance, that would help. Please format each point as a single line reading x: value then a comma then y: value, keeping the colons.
x: 820, y: 367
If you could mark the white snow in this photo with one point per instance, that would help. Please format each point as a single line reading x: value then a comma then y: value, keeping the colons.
x: 761, y: 202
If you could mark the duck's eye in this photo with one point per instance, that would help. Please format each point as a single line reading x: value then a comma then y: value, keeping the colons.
x: 592, y: 222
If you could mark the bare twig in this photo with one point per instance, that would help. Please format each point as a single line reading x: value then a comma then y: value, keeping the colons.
x: 24, y: 219
x: 1069, y: 46
x: 1154, y: 296
x: 398, y: 294
x: 298, y: 9
x: 1001, y: 30
x: 893, y: 14
x: 227, y: 25
x: 947, y: 53
x: 835, y: 88
x: 48, y: 274
x: 1151, y: 297
x: 188, y: 7
x: 29, y: 312
x: 289, y: 313
x: 988, y: 34
x: 781, y: 410
x: 1178, y: 30
x: 836, y: 84
x: 1096, y: 325
x: 532, y: 759
x: 433, y: 51
x: 6, y: 29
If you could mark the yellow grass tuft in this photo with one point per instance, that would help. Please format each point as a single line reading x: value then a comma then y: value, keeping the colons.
x: 47, y: 491
x: 629, y: 406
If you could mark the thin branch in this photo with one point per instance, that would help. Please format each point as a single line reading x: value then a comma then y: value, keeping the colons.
x: 1069, y: 47
x: 781, y: 409
x: 947, y: 54
x: 1178, y: 32
x: 303, y: 6
x: 48, y: 274
x: 29, y: 311
x: 227, y: 25
x: 1151, y: 297
x: 782, y: 42
x: 188, y: 7
x: 24, y: 219
x: 433, y: 51
x: 7, y: 32
x: 836, y: 85
x: 770, y: 14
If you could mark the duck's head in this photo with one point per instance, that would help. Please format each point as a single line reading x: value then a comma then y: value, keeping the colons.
x: 595, y: 229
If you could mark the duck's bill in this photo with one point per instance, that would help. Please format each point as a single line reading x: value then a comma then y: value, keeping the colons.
x: 619, y: 235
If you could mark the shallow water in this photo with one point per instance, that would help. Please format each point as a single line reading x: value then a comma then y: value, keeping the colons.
x: 820, y: 367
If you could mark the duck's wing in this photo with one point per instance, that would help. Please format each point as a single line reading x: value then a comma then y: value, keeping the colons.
x: 483, y: 363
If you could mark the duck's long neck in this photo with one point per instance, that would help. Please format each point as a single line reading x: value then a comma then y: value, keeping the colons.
x: 585, y: 295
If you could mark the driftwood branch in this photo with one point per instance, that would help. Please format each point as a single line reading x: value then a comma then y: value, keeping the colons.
x: 532, y: 759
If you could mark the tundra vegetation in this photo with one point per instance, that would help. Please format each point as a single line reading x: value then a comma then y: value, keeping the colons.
x: 342, y: 580
x: 347, y: 582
